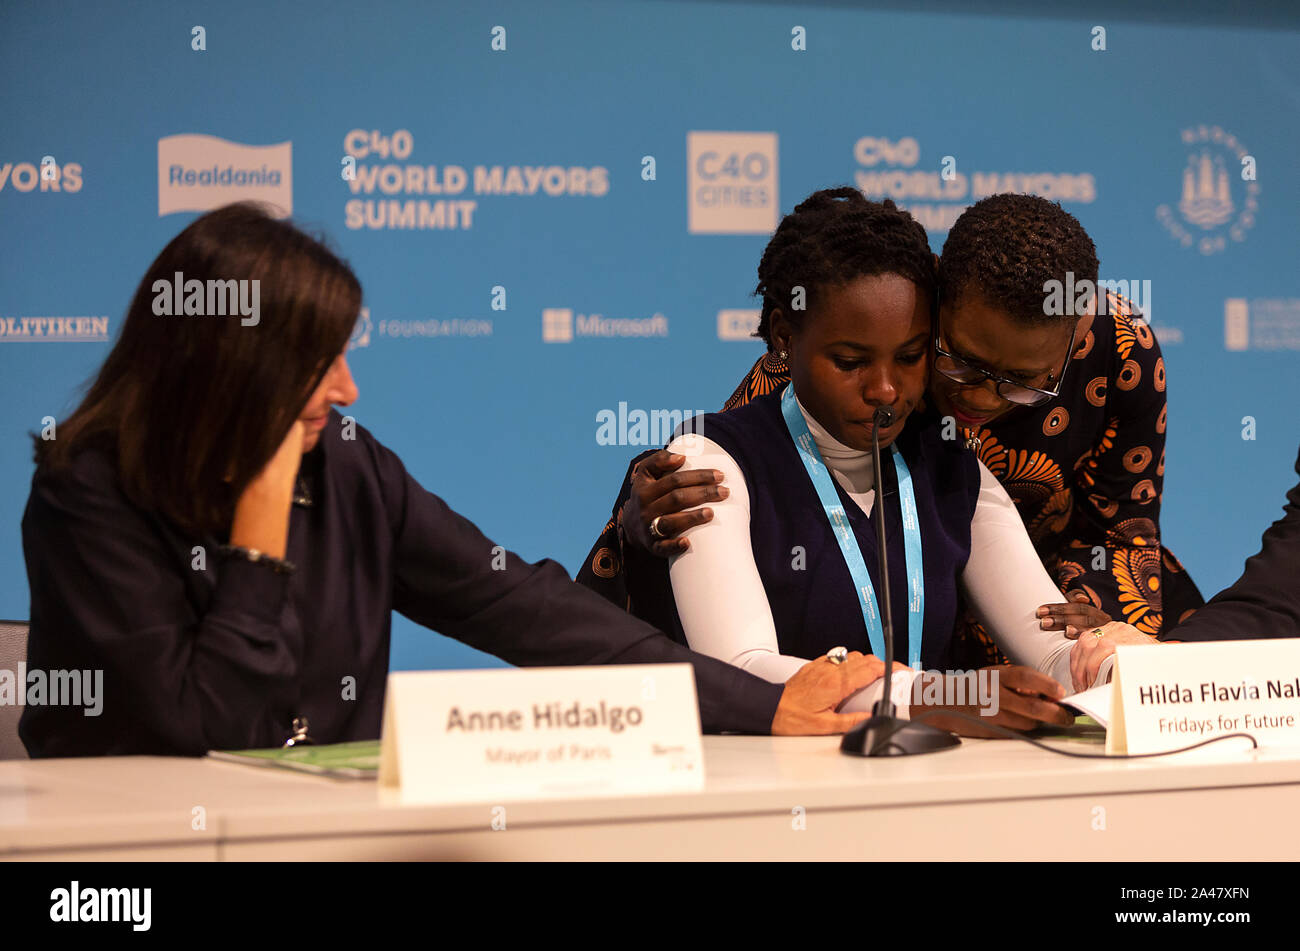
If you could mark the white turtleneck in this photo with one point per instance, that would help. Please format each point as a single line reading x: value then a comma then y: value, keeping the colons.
x: 724, y: 610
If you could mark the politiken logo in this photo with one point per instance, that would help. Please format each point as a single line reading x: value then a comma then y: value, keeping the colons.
x: 203, y: 172
x: 738, y: 324
x: 53, y: 329
x: 1220, y: 194
x: 731, y: 182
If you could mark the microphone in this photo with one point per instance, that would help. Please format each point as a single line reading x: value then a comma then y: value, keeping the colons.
x: 884, y: 418
x: 884, y: 734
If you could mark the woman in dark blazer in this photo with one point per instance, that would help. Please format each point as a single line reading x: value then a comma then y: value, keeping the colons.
x: 207, y: 531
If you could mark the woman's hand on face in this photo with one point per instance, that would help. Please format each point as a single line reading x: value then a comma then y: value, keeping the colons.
x: 1090, y: 650
x: 659, y: 491
x: 1025, y: 700
x: 279, y: 474
x: 262, y: 512
x: 1072, y: 617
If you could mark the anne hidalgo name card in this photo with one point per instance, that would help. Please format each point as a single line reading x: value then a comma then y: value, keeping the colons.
x: 541, y: 733
x: 1165, y: 696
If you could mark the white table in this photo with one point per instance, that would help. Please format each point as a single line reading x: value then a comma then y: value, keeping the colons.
x: 987, y: 799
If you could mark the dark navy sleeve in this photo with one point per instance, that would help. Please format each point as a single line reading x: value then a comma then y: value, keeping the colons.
x: 450, y: 577
x: 1265, y: 600
x: 108, y: 593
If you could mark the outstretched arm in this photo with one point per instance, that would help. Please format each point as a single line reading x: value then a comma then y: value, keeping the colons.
x: 1265, y: 600
x: 1005, y: 583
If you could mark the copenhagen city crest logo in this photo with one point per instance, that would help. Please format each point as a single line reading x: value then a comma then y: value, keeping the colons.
x: 1219, y: 196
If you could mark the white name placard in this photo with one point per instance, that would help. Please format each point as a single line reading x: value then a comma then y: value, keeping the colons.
x: 541, y: 733
x: 1167, y: 696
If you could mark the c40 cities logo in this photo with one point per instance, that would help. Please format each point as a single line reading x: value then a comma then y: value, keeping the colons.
x: 731, y: 182
x: 1220, y: 194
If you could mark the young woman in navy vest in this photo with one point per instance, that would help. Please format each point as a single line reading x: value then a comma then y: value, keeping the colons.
x: 848, y: 288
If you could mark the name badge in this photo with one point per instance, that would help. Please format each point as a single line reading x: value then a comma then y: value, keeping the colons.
x: 1167, y: 696
x: 541, y: 733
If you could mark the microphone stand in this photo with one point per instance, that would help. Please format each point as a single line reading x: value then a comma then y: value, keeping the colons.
x: 884, y: 734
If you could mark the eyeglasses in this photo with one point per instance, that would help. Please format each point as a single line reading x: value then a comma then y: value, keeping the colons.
x: 965, y: 374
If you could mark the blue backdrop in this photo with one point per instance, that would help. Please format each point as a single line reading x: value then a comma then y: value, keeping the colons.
x: 559, y: 208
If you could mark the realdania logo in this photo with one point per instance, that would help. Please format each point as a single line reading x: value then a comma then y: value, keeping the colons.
x: 203, y: 172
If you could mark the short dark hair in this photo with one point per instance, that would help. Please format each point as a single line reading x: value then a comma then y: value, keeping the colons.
x: 832, y: 237
x: 191, y: 408
x: 1006, y: 247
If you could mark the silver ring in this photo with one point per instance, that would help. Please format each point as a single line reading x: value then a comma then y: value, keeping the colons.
x: 837, y: 655
x: 654, y: 527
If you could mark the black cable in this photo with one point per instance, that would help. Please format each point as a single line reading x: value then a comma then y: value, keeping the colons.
x: 1014, y: 735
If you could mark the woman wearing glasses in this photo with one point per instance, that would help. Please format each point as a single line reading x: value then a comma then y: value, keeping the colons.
x: 1067, y: 412
x: 1083, y: 456
x: 786, y: 568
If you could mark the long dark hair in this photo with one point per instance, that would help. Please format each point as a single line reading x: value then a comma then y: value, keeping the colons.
x: 192, y: 407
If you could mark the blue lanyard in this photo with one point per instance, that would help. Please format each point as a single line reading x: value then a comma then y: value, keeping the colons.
x: 821, y: 480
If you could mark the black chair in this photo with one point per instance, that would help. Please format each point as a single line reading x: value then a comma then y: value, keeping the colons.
x: 13, y: 651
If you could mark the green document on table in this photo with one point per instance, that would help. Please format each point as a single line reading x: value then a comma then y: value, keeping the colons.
x: 1083, y: 730
x: 359, y: 760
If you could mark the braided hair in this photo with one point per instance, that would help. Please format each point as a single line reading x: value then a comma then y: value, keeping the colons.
x: 832, y: 237
x: 1006, y: 247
